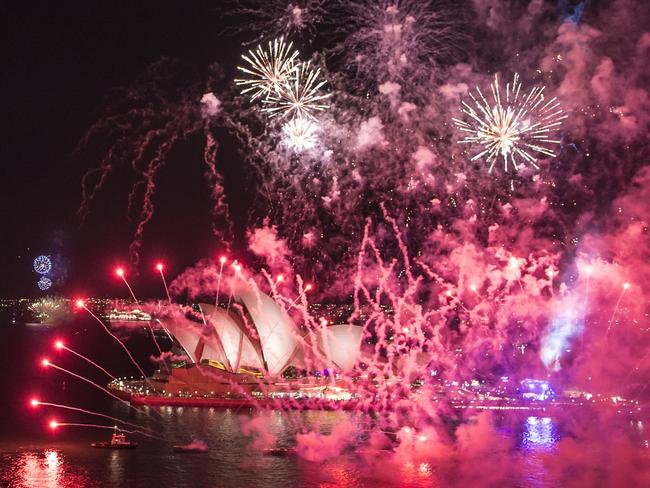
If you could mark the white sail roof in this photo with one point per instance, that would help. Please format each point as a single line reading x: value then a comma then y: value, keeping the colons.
x: 341, y: 344
x: 264, y: 339
x: 275, y: 328
x: 231, y: 336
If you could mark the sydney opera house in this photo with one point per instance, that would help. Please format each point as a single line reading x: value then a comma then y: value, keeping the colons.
x: 252, y: 350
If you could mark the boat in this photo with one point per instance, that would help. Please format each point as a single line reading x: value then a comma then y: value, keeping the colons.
x: 190, y: 448
x: 279, y: 451
x: 118, y: 441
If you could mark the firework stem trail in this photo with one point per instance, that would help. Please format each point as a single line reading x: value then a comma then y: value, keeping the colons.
x: 82, y: 378
x: 232, y: 284
x: 89, y: 361
x: 130, y: 289
x: 162, y: 275
x: 98, y: 414
x: 618, y: 302
x: 96, y: 426
x: 144, y: 376
x: 216, y: 298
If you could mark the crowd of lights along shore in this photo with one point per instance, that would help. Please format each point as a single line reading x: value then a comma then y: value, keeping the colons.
x: 514, y: 126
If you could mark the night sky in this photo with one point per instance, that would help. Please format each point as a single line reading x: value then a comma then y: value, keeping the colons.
x: 62, y: 64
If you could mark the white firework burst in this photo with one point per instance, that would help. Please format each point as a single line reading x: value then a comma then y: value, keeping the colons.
x: 515, y: 128
x: 300, y: 134
x: 269, y: 69
x: 300, y: 96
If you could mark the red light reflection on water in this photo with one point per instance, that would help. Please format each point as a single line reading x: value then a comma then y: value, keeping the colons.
x: 45, y: 469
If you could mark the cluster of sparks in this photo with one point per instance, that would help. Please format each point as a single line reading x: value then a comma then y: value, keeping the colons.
x: 515, y: 127
x: 286, y: 87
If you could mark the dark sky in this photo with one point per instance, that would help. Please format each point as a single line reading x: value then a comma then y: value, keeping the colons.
x: 61, y: 63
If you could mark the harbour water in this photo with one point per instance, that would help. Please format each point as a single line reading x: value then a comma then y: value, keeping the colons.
x: 523, y: 447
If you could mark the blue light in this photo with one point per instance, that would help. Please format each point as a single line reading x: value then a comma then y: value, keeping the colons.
x: 537, y: 390
x: 44, y: 283
x: 42, y: 264
x: 540, y: 434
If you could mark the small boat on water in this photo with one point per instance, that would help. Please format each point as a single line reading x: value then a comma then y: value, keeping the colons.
x: 118, y: 441
x: 279, y: 451
x: 194, y: 446
x: 188, y: 449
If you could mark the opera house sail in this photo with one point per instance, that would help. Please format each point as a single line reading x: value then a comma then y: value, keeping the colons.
x: 254, y: 349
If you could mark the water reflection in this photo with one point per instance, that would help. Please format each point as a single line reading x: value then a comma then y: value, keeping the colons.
x: 540, y: 434
x: 44, y: 469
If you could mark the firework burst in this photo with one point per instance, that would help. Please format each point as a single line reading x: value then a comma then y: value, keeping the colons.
x: 300, y: 134
x: 269, y: 69
x: 515, y: 128
x: 300, y: 96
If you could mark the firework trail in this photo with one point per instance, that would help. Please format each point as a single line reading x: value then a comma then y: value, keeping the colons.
x: 142, y: 128
x: 55, y: 425
x: 138, y: 428
x: 222, y: 261
x: 160, y: 268
x: 60, y: 345
x: 115, y: 338
x: 47, y: 363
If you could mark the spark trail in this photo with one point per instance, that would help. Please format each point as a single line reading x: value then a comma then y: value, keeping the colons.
x: 81, y: 304
x: 36, y: 403
x: 46, y: 363
x: 60, y: 345
x: 55, y: 425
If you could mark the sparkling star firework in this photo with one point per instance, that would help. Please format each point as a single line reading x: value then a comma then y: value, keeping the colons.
x: 269, y: 69
x: 300, y: 96
x: 300, y: 134
x: 516, y: 127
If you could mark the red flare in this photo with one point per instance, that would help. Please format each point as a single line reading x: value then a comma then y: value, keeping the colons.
x: 119, y: 272
x: 59, y: 344
x: 160, y: 266
x: 45, y: 362
x: 53, y: 424
x: 34, y: 402
x: 222, y: 259
x: 79, y: 303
